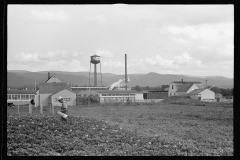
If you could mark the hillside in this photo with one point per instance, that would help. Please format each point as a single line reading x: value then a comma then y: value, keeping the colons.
x: 22, y: 78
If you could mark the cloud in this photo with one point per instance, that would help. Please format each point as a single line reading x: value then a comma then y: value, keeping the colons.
x: 43, y: 57
x: 50, y: 15
x: 104, y: 53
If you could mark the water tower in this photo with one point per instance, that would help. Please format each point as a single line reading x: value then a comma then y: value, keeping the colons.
x: 95, y: 59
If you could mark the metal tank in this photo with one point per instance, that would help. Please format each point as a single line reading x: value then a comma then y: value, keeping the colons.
x: 95, y: 59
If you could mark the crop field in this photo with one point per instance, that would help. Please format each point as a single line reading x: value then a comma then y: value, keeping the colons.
x: 168, y: 128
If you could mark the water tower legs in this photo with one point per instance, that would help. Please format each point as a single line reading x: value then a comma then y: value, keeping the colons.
x: 95, y: 75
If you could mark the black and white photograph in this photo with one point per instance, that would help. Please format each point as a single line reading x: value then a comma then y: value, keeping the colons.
x: 120, y: 79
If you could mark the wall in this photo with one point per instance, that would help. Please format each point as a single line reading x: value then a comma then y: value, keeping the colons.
x: 139, y: 96
x: 207, y: 94
x: 157, y: 95
x: 44, y: 99
x: 173, y: 89
x: 64, y: 94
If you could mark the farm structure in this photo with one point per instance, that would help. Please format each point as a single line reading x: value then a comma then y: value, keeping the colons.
x: 155, y: 94
x: 20, y: 96
x: 202, y: 94
x: 178, y: 88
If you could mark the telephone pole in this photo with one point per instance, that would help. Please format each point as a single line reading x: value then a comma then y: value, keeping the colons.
x: 206, y: 83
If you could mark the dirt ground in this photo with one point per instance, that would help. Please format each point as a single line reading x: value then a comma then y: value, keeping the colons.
x: 209, y: 128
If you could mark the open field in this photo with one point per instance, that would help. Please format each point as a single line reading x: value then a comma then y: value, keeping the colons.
x: 164, y: 128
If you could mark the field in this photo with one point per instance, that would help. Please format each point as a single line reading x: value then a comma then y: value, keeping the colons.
x: 172, y: 127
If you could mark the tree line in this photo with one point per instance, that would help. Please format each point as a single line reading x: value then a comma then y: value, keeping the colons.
x: 224, y: 92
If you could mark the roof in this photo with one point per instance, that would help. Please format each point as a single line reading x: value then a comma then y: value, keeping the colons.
x: 61, y: 91
x: 185, y: 87
x: 184, y: 82
x: 196, y: 91
x: 57, y: 80
x: 116, y: 91
x: 21, y: 92
x: 53, y: 87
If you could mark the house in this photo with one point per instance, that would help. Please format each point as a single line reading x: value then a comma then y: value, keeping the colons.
x: 178, y: 88
x: 202, y: 94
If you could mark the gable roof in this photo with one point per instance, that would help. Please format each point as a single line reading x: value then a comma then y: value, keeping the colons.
x: 185, y: 87
x: 61, y: 91
x: 50, y: 78
x: 21, y: 92
x: 196, y: 91
x: 53, y: 87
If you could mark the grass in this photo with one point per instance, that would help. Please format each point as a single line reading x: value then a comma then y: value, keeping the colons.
x: 208, y: 129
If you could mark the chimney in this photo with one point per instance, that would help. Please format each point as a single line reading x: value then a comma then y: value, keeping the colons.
x: 126, y: 71
x: 182, y: 80
x: 48, y: 75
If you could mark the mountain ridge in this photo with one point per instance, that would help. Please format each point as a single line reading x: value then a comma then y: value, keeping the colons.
x: 20, y: 78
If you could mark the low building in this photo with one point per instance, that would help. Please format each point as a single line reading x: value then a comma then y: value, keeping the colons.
x: 20, y: 96
x: 113, y: 95
x: 155, y: 94
x: 202, y: 94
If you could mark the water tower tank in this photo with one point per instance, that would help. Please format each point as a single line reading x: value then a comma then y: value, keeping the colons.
x: 95, y: 59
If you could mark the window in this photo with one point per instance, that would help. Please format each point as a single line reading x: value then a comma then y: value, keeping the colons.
x: 32, y: 96
x: 23, y: 97
x: 14, y: 97
x: 9, y: 96
x: 18, y: 97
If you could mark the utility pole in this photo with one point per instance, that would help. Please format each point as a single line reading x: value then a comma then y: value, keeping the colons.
x: 206, y: 83
x: 35, y: 83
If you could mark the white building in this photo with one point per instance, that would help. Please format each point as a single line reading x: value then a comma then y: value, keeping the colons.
x: 202, y: 94
x: 177, y: 88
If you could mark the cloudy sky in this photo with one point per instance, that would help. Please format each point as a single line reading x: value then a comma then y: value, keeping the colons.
x: 167, y: 39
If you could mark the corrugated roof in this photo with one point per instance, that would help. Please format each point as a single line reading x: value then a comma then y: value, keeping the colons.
x: 116, y: 91
x: 21, y: 91
x: 185, y: 87
x: 53, y: 87
x: 196, y: 91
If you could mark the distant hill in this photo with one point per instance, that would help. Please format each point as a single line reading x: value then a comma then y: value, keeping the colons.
x: 21, y: 78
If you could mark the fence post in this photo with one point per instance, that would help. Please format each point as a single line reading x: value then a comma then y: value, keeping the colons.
x: 41, y: 108
x: 30, y: 109
x: 52, y: 108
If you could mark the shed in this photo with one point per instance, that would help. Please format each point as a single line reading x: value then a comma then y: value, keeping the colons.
x: 67, y: 95
x: 202, y: 94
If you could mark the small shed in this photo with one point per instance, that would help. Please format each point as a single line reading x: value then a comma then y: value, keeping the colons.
x: 67, y: 95
x: 202, y: 94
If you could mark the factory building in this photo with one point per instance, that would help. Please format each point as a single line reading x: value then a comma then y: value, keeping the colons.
x: 112, y: 95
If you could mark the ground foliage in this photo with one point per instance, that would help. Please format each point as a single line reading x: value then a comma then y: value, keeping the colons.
x: 50, y: 136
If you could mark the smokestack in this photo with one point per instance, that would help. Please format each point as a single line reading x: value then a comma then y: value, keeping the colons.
x: 126, y: 71
x: 48, y: 75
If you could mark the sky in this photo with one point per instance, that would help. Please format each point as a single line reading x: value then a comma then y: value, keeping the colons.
x: 167, y: 39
